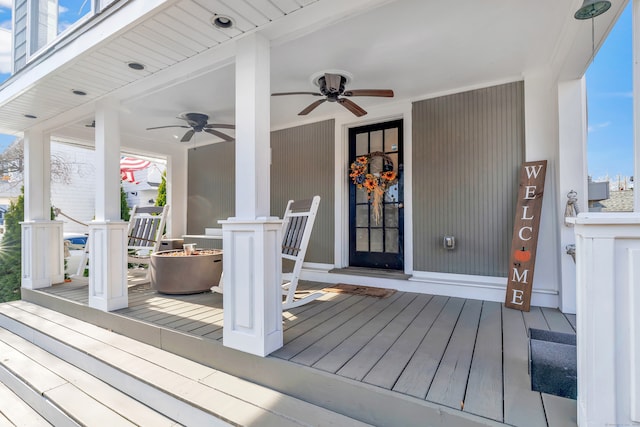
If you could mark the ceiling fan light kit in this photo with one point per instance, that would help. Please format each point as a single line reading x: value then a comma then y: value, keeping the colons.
x: 332, y: 85
x: 199, y: 122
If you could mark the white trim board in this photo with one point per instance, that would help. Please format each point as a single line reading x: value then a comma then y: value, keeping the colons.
x: 452, y: 285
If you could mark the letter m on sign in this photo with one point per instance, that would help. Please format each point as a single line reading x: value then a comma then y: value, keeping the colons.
x: 524, y: 242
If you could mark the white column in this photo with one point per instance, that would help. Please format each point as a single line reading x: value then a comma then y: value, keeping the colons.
x: 607, y: 318
x: 177, y: 191
x: 541, y: 136
x: 572, y: 175
x: 107, y: 233
x: 42, y: 243
x: 252, y: 239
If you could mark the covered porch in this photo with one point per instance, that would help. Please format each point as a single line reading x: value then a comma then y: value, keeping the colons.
x: 405, y: 358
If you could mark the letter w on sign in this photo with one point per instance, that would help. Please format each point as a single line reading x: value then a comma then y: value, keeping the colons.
x: 525, y: 235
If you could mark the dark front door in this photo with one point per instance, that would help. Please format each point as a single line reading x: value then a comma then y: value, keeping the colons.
x: 376, y: 218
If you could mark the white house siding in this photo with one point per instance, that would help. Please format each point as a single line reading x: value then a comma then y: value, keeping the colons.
x: 75, y: 198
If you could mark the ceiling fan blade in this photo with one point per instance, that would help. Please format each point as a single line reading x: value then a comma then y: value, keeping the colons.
x: 187, y: 136
x: 311, y: 107
x: 332, y: 82
x: 174, y: 126
x: 219, y: 125
x: 369, y: 92
x: 220, y: 134
x: 296, y: 93
x: 352, y: 106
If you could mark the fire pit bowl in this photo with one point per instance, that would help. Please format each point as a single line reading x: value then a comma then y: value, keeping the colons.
x: 175, y: 272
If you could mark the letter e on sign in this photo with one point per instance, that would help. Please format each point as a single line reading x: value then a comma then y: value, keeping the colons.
x: 525, y: 235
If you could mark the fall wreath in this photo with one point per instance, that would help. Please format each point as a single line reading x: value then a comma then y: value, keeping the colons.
x: 376, y: 182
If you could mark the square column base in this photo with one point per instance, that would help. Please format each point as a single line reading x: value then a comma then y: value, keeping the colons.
x: 108, y: 265
x: 42, y: 254
x: 252, y: 265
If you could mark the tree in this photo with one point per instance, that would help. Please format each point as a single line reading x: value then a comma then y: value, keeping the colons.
x: 161, y: 198
x: 124, y: 207
x: 11, y: 252
x: 12, y: 165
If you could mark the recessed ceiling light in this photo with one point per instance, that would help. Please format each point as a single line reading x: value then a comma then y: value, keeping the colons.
x: 79, y: 92
x: 135, y: 66
x: 30, y: 116
x: 222, y: 21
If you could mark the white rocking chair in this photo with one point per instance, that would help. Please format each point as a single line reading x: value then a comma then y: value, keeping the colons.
x: 296, y: 231
x: 297, y: 225
x: 146, y: 228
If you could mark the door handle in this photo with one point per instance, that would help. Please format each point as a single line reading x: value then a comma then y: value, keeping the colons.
x: 400, y: 205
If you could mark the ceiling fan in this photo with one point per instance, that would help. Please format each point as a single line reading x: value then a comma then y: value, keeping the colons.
x: 198, y: 122
x: 332, y: 87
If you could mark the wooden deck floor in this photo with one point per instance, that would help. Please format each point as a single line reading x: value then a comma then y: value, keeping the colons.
x: 464, y: 354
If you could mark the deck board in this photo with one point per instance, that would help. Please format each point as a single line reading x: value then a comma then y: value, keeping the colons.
x: 557, y: 321
x: 572, y: 319
x: 450, y: 382
x: 291, y: 333
x: 340, y: 355
x: 522, y: 406
x: 561, y: 412
x: 368, y: 356
x: 328, y: 322
x: 320, y: 348
x: 418, y: 375
x: 484, y: 388
x: 464, y: 354
x: 389, y: 367
x: 534, y: 319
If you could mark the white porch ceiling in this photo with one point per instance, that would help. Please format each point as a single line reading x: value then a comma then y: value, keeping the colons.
x: 418, y: 48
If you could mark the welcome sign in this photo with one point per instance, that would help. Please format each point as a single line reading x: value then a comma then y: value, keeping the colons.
x: 525, y: 235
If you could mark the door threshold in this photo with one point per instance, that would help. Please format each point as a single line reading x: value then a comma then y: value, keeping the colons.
x: 372, y: 272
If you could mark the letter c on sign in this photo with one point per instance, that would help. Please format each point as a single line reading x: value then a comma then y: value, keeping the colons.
x: 521, y: 233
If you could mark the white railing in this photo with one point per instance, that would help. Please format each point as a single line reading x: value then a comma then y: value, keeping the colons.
x: 608, y: 318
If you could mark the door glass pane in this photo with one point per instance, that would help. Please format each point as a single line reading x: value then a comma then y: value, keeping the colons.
x: 362, y: 144
x: 362, y: 215
x: 376, y: 141
x: 391, y: 140
x: 376, y: 240
x: 361, y: 195
x: 394, y: 158
x: 391, y: 240
x: 362, y: 240
x: 391, y: 215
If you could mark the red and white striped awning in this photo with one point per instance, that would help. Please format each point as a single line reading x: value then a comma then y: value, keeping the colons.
x: 128, y: 165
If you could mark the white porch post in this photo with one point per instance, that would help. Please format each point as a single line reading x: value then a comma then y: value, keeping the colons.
x: 107, y: 233
x: 608, y: 318
x: 252, y: 239
x: 42, y: 245
x: 572, y: 175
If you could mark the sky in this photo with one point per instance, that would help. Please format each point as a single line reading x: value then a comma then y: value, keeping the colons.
x: 610, y: 104
x: 609, y: 91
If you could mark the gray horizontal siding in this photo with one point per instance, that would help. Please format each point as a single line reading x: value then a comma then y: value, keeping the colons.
x: 467, y: 150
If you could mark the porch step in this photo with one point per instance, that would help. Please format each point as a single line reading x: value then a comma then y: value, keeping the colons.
x: 75, y: 373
